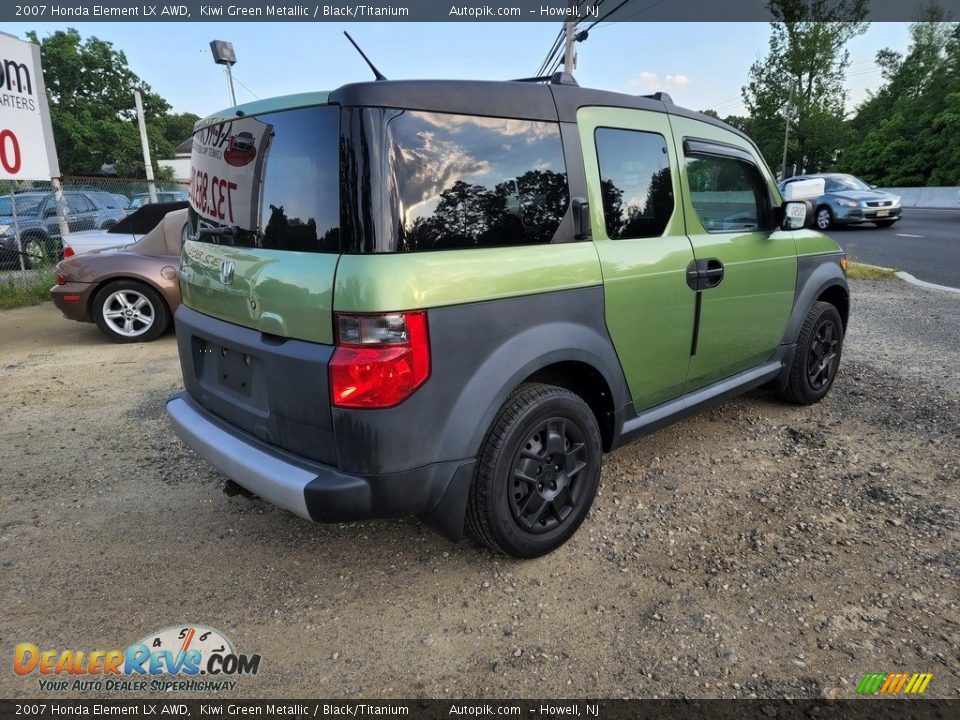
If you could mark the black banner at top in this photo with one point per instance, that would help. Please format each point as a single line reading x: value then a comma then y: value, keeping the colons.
x: 586, y: 11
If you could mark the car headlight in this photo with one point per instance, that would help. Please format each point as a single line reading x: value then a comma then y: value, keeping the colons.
x: 896, y: 200
x: 848, y: 203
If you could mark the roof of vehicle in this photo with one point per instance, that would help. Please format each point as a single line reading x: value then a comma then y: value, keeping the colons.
x: 503, y: 98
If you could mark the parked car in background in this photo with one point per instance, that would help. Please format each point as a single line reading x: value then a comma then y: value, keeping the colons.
x: 123, y: 200
x: 162, y: 197
x: 848, y: 200
x: 39, y: 224
x: 129, y: 292
x: 127, y: 231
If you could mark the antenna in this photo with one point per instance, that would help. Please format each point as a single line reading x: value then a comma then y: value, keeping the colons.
x: 376, y: 73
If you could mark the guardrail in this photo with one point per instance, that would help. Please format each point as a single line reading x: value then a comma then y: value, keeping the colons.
x: 928, y: 197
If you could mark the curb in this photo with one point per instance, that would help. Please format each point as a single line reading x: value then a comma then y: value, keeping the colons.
x: 907, y: 277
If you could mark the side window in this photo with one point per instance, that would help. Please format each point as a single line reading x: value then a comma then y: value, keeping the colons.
x: 635, y: 182
x: 79, y: 204
x: 727, y: 194
x: 463, y: 181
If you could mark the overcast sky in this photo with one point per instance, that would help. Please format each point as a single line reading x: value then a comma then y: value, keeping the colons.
x: 702, y: 65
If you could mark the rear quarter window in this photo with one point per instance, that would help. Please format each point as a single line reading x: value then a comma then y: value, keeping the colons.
x: 449, y: 181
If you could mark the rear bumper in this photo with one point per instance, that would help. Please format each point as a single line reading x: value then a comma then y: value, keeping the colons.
x: 73, y: 300
x: 312, y: 490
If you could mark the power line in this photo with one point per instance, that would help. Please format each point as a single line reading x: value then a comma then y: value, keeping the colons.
x: 550, y: 53
x: 631, y: 15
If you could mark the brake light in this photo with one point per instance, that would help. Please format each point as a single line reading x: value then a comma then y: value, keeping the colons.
x: 380, y: 359
x: 61, y: 278
x: 68, y: 251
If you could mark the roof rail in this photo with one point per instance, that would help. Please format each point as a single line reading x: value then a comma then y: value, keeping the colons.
x: 563, y: 78
x: 660, y: 96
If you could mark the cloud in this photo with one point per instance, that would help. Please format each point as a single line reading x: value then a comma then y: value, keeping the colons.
x: 648, y: 82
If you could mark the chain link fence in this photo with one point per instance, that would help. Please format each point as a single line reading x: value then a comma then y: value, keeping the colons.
x: 36, y: 217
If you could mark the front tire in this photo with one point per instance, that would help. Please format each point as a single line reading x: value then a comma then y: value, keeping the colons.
x: 824, y: 218
x: 817, y: 357
x: 538, y: 472
x: 129, y: 311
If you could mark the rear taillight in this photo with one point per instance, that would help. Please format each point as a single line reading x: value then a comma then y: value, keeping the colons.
x: 380, y: 359
x: 61, y: 278
x: 68, y: 251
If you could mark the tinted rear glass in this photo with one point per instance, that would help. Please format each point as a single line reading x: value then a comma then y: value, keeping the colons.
x: 444, y: 181
x: 272, y: 179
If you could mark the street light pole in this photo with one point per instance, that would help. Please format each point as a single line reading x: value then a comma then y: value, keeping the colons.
x: 148, y: 165
x: 786, y: 133
x: 223, y: 54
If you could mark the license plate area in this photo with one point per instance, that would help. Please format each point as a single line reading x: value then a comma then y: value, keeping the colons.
x: 225, y: 368
x: 882, y: 213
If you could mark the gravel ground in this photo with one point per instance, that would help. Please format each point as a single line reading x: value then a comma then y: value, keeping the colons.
x: 757, y: 550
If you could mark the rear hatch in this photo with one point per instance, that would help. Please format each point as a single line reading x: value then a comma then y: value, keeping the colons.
x: 258, y: 271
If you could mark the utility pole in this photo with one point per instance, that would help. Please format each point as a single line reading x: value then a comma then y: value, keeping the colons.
x: 233, y: 94
x: 148, y: 165
x: 569, y: 57
x: 786, y: 132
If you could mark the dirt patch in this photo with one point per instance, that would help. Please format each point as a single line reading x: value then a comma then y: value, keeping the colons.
x: 758, y: 549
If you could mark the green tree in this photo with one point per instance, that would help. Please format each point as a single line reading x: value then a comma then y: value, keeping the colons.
x: 806, y: 67
x: 92, y: 109
x: 177, y: 127
x: 906, y: 132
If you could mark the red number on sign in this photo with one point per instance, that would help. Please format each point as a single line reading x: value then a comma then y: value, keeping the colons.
x: 9, y: 152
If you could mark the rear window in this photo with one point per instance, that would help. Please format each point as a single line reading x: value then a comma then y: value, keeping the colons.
x: 271, y: 181
x: 444, y: 181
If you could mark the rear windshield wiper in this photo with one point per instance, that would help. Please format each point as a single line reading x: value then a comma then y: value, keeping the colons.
x: 226, y: 230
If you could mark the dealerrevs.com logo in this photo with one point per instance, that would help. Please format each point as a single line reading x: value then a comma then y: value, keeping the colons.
x: 190, y: 658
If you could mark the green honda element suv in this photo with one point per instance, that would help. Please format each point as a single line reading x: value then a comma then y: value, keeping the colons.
x: 449, y: 299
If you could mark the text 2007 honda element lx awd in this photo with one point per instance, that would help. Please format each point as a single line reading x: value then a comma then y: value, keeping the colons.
x: 449, y: 299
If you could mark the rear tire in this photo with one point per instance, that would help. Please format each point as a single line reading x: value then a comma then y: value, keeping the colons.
x: 129, y: 311
x: 817, y: 357
x: 537, y: 474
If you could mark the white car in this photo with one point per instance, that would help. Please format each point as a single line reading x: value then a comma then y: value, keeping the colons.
x: 127, y: 231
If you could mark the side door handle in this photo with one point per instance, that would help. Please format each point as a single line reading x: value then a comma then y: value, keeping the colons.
x: 704, y: 274
x: 712, y: 274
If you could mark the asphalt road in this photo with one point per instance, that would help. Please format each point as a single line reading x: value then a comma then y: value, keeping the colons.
x: 925, y: 243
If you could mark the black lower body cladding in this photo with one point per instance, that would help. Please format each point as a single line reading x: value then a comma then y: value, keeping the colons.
x: 267, y: 401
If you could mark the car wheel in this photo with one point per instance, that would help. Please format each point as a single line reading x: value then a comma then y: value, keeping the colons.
x: 130, y: 311
x: 36, y: 252
x: 817, y: 356
x: 538, y: 472
x: 824, y: 218
x: 884, y: 223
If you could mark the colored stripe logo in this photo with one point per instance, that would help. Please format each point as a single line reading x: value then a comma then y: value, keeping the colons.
x: 894, y: 683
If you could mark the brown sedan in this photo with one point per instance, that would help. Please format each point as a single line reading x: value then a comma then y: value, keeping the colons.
x: 131, y: 292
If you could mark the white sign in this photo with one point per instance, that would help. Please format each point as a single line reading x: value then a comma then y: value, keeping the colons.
x: 225, y: 170
x: 27, y: 151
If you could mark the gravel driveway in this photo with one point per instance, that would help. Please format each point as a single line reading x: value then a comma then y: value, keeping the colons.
x: 758, y: 549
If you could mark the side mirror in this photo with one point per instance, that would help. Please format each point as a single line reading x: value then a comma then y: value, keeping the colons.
x: 873, y: 187
x: 581, y: 219
x: 796, y: 215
